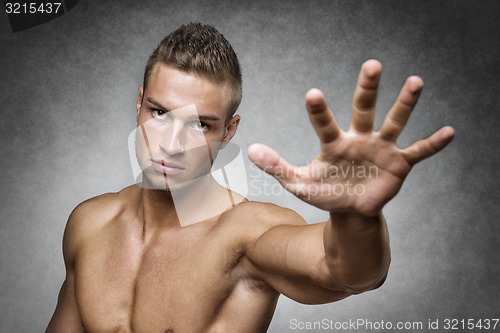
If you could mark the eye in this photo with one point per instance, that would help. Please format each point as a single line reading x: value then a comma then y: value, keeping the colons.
x: 160, y: 114
x: 201, y: 126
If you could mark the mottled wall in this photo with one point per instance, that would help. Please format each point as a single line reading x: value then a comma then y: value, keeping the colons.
x: 68, y: 91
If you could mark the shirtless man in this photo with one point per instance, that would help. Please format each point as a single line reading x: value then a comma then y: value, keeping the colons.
x: 133, y: 265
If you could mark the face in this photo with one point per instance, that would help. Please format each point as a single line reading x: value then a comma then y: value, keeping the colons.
x: 181, y: 126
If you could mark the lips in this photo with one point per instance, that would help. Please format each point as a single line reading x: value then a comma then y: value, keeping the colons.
x: 167, y: 167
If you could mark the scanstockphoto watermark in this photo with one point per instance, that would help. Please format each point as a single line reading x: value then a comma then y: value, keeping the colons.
x: 354, y: 325
x: 429, y: 325
x: 338, y: 180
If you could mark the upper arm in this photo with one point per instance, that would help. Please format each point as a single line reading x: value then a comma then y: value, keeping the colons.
x: 66, y: 317
x: 289, y: 255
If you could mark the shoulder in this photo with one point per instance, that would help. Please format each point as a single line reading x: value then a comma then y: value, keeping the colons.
x: 96, y: 211
x: 266, y: 213
x: 90, y: 216
x: 251, y: 219
x: 104, y: 206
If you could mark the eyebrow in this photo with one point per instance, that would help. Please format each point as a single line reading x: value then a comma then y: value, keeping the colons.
x: 158, y: 105
x: 201, y: 117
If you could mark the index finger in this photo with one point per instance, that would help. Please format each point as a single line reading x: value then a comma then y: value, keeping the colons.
x: 321, y: 116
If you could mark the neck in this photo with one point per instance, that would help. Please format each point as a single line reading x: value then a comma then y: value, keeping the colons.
x: 175, y: 208
x: 158, y: 209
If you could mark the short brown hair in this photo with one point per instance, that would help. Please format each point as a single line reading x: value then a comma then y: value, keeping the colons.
x: 200, y: 49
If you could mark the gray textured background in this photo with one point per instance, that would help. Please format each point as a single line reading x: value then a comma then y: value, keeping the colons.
x: 68, y: 90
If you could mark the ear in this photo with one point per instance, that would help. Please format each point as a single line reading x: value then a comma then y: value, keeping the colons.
x: 139, y: 100
x: 230, y: 130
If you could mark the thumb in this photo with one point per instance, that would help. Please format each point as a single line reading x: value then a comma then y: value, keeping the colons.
x: 271, y: 162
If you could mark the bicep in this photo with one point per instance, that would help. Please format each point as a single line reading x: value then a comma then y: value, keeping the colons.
x: 290, y: 258
x: 66, y: 317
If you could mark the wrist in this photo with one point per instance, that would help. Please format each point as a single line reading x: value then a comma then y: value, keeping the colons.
x: 354, y: 214
x: 355, y: 220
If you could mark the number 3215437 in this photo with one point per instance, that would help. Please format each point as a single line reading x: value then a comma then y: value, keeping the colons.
x: 32, y: 7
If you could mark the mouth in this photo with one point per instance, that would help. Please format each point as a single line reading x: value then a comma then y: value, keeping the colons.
x: 168, y: 168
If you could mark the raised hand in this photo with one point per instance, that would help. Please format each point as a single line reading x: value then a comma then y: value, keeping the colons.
x: 358, y: 170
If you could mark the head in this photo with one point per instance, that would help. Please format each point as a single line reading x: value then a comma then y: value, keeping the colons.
x: 202, y: 50
x: 185, y: 109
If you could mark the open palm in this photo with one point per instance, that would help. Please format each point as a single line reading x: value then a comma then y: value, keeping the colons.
x: 358, y: 170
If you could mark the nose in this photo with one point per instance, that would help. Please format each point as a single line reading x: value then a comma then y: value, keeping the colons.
x: 172, y: 141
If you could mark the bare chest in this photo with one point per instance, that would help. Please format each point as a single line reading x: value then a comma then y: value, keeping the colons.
x: 184, y: 282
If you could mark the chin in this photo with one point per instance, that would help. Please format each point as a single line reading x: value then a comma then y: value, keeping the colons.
x: 153, y: 182
x: 159, y: 183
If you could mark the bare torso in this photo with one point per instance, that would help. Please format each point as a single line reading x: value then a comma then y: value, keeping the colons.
x: 126, y: 272
x: 184, y: 279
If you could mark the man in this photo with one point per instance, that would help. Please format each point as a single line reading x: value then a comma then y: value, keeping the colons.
x: 149, y: 259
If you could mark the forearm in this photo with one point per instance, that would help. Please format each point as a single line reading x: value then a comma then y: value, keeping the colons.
x: 357, y: 252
